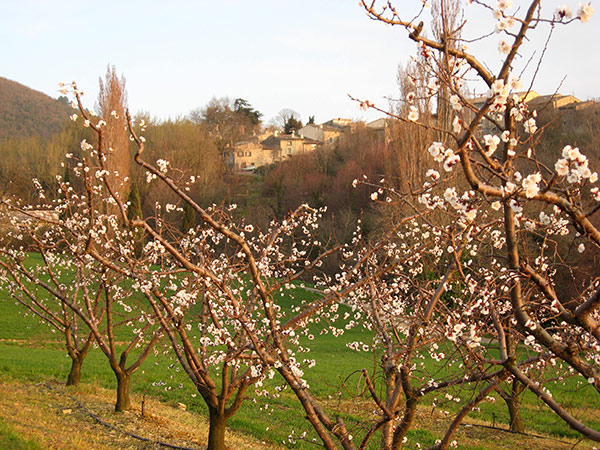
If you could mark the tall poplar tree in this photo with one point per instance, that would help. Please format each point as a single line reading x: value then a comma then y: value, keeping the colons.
x: 112, y: 103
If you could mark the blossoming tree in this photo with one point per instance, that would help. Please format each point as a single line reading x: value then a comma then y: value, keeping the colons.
x: 70, y: 289
x: 40, y: 288
x: 214, y: 288
x: 543, y: 211
x: 218, y: 297
x: 467, y: 277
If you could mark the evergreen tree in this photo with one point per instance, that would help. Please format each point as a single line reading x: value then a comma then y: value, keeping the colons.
x: 135, y: 212
x: 189, y: 218
x: 292, y: 125
x: 135, y: 203
x: 67, y: 180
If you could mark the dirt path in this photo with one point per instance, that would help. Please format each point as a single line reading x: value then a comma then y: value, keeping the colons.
x: 50, y: 415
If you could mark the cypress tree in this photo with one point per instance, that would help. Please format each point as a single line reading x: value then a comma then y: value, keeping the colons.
x: 189, y: 218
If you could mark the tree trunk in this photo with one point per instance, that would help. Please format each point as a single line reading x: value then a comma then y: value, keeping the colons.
x: 410, y: 411
x: 512, y: 400
x: 216, y: 431
x: 123, y: 399
x: 387, y: 436
x: 387, y: 430
x: 514, y: 410
x: 75, y: 374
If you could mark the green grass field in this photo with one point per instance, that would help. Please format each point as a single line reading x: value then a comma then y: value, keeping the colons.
x: 30, y: 351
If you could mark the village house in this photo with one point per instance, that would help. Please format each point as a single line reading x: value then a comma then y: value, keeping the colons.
x: 572, y: 113
x: 487, y: 126
x: 381, y: 126
x: 322, y: 133
x: 253, y: 153
x: 250, y: 154
x: 287, y: 145
x: 327, y: 132
x: 552, y: 101
x: 263, y: 150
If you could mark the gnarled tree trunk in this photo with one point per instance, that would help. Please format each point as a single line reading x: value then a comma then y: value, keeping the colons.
x: 74, y: 376
x: 123, y: 398
x: 387, y: 430
x: 513, y: 403
x: 216, y: 430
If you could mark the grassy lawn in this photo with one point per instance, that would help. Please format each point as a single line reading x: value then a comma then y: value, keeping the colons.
x: 30, y: 351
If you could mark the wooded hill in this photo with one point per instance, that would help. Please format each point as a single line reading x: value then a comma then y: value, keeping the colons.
x: 25, y: 112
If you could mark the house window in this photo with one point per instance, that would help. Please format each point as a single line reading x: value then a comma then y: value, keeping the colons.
x: 289, y: 150
x: 240, y: 154
x: 248, y: 154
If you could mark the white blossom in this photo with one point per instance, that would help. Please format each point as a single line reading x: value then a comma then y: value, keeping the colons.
x: 437, y: 151
x: 433, y: 174
x: 585, y: 12
x: 562, y: 12
x: 561, y: 167
x: 162, y: 165
x: 491, y: 143
x: 503, y: 47
x: 413, y: 115
x: 455, y: 102
x: 530, y: 126
x: 531, y: 184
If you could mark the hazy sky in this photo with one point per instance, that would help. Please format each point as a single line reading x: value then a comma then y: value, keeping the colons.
x: 305, y: 54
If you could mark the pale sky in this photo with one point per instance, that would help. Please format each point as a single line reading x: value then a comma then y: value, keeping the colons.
x: 307, y: 55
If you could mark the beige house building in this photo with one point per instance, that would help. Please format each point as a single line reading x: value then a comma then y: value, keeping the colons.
x: 487, y: 126
x: 289, y: 144
x: 254, y: 153
x: 552, y: 101
x: 381, y: 126
x: 248, y: 155
x: 268, y: 149
x: 322, y: 133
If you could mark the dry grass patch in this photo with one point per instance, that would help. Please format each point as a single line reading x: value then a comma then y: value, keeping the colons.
x: 50, y: 414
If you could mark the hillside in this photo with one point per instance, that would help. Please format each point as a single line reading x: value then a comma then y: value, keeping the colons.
x: 25, y: 112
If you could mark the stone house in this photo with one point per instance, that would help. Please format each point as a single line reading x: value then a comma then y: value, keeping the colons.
x: 268, y: 149
x: 552, y: 101
x: 250, y: 154
x: 256, y: 152
x: 325, y: 133
x: 287, y: 145
x: 487, y: 126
